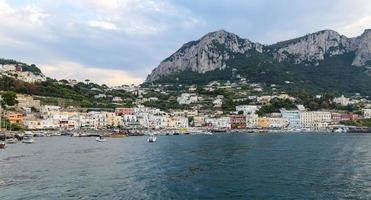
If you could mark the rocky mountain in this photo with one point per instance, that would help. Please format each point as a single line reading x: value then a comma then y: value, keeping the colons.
x: 222, y: 50
x: 206, y: 54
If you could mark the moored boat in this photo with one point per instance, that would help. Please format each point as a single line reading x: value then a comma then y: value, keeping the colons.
x: 11, y: 141
x: 28, y: 140
x: 207, y: 133
x: 152, y: 138
x: 100, y: 139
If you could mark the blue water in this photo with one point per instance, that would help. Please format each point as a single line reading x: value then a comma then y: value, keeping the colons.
x: 228, y: 166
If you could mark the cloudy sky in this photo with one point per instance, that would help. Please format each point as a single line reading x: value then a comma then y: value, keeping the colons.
x: 120, y: 41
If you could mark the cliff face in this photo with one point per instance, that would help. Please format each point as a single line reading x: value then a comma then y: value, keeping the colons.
x: 213, y: 50
x: 314, y: 47
x: 206, y: 54
x: 363, y: 53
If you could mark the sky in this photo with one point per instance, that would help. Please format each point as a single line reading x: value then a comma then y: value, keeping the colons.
x: 120, y: 41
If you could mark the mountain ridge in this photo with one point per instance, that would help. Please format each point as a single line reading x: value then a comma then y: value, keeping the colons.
x: 213, y: 50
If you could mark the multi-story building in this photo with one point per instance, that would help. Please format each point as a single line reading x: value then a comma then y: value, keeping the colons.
x: 367, y: 113
x: 338, y: 117
x: 293, y: 117
x: 14, y: 117
x: 187, y: 98
x: 247, y: 110
x: 198, y: 121
x: 124, y: 111
x: 219, y: 123
x: 49, y: 111
x: 342, y: 100
x: 238, y: 121
x: 315, y: 119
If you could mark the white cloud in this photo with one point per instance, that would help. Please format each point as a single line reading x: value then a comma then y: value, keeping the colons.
x: 356, y: 27
x: 71, y: 70
x: 102, y: 25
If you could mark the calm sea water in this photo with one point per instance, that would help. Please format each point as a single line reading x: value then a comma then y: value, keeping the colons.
x: 228, y: 166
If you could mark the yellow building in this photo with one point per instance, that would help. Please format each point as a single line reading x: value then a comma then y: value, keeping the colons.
x: 263, y: 122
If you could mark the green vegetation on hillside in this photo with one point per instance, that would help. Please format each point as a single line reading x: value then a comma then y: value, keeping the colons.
x: 80, y: 94
x: 360, y: 122
x: 25, y: 67
x: 335, y: 74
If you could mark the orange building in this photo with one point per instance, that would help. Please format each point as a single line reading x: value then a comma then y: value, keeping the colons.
x: 14, y: 118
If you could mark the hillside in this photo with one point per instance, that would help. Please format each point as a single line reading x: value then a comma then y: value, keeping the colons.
x: 320, y: 61
x: 25, y: 67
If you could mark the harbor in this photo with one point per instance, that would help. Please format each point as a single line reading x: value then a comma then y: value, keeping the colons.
x: 185, y: 167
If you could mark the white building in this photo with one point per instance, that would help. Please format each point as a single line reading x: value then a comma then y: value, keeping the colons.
x: 342, y: 100
x: 187, y: 98
x: 367, y: 113
x: 247, y: 109
x: 293, y: 117
x: 178, y: 122
x: 315, y: 120
x: 218, y: 103
x: 219, y: 123
x: 117, y: 99
x: 49, y: 111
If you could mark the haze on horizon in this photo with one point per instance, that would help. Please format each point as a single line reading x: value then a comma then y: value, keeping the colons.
x: 120, y: 41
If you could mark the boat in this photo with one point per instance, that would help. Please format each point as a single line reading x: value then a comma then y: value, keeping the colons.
x: 2, y: 145
x: 340, y: 130
x: 100, y: 139
x: 207, y: 133
x: 28, y: 134
x: 11, y: 141
x: 151, y: 139
x: 28, y: 140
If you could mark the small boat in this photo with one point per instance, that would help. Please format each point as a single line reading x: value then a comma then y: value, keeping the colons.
x: 28, y: 140
x: 151, y: 139
x: 2, y: 145
x: 207, y: 133
x: 100, y: 139
x: 340, y: 130
x: 28, y: 133
x: 11, y: 141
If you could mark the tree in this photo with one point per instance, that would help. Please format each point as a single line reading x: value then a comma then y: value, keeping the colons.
x: 10, y: 98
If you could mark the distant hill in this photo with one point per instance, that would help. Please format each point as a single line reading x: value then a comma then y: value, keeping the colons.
x: 25, y: 67
x: 321, y: 61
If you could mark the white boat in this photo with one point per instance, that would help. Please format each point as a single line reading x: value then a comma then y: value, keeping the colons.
x: 28, y: 140
x: 151, y: 139
x: 207, y: 133
x: 11, y: 141
x: 28, y: 134
x: 100, y: 139
x: 340, y: 130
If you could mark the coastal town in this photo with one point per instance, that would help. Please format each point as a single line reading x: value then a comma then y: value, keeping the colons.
x: 238, y: 106
x: 31, y: 114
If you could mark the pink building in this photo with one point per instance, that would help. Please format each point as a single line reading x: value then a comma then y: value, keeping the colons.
x: 124, y: 111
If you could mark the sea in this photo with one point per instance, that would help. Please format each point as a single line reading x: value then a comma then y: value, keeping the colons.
x: 219, y: 166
